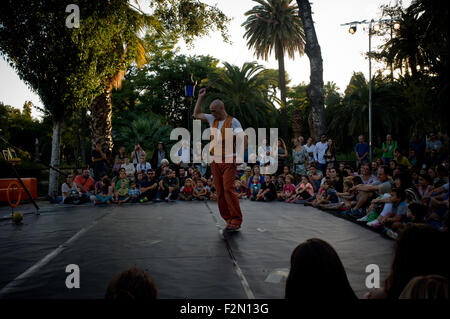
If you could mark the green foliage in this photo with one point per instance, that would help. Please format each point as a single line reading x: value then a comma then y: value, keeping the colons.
x: 419, y: 50
x: 391, y: 113
x: 20, y: 130
x: 274, y: 24
x: 188, y: 19
x: 159, y: 87
x: 147, y: 129
x: 248, y: 94
x: 63, y: 65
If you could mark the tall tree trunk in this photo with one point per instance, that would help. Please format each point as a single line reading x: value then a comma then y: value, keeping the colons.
x: 55, y: 158
x: 282, y: 80
x: 311, y: 124
x: 297, y: 122
x: 315, y: 89
x: 101, y: 113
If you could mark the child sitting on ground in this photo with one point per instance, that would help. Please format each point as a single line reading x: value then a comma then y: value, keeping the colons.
x: 414, y: 215
x: 288, y: 189
x: 134, y: 192
x: 329, y: 198
x: 105, y: 192
x: 212, y: 189
x: 240, y: 190
x: 200, y: 192
x: 99, y: 185
x: 348, y: 196
x: 279, y: 185
x: 396, y: 212
x: 304, y: 190
x: 187, y: 190
x: 121, y: 195
x: 255, y: 187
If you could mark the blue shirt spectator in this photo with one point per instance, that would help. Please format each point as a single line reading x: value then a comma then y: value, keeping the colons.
x: 362, y: 151
x: 418, y: 145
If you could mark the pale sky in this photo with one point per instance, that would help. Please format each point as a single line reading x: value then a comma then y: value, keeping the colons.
x: 342, y: 52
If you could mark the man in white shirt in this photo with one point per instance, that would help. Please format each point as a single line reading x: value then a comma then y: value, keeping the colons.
x: 310, y: 148
x: 184, y: 154
x: 319, y: 152
x: 129, y: 168
x: 224, y: 173
x: 266, y: 161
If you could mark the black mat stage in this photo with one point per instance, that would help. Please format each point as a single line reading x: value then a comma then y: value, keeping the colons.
x: 179, y: 245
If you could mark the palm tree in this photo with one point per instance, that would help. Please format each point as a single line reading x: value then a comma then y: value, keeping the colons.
x: 147, y: 130
x: 406, y: 49
x: 127, y: 48
x: 275, y: 25
x: 247, y: 93
x: 390, y: 111
x: 298, y: 105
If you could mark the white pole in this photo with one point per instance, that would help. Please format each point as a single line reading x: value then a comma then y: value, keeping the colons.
x: 370, y: 92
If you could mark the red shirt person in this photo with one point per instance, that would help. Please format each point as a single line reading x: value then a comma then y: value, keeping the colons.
x: 223, y: 167
x: 85, y: 182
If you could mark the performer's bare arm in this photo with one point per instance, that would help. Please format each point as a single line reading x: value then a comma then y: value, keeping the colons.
x: 198, y: 114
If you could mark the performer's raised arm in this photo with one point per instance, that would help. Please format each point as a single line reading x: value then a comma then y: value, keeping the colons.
x: 198, y: 114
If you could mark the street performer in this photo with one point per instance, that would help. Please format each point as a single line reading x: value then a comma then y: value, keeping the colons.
x: 223, y: 166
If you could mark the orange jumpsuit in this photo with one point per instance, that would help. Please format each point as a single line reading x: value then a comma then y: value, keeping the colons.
x: 224, y: 175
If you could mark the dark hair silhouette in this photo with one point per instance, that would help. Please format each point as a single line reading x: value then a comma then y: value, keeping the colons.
x: 418, y: 210
x: 317, y: 273
x: 420, y: 250
x: 426, y: 287
x: 357, y: 180
x: 400, y: 192
x: 132, y: 283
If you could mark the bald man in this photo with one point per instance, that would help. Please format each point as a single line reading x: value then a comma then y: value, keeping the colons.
x: 223, y: 166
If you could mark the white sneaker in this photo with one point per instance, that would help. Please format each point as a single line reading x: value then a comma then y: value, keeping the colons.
x: 374, y: 223
x: 363, y: 219
x: 392, y: 234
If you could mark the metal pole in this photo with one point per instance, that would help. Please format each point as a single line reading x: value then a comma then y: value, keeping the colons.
x: 25, y: 188
x: 189, y: 115
x: 370, y: 91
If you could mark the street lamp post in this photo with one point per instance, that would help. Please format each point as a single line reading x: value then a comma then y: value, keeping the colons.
x: 189, y: 88
x: 370, y: 92
x: 372, y: 30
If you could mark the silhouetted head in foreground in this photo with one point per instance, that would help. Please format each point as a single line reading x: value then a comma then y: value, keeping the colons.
x: 426, y: 287
x: 317, y: 273
x: 420, y: 250
x: 132, y: 284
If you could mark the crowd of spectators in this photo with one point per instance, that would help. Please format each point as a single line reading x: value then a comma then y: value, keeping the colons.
x: 402, y: 196
x: 385, y: 194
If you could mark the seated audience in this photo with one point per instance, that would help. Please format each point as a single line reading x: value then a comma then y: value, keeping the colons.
x: 133, y: 193
x: 85, y: 182
x: 169, y: 186
x: 70, y: 192
x: 200, y: 191
x: 149, y: 186
x: 130, y: 170
x: 186, y: 192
